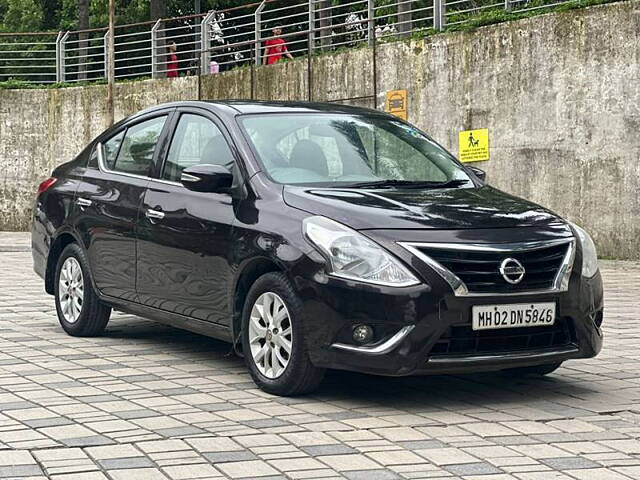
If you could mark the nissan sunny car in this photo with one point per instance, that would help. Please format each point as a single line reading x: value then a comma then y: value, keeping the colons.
x: 313, y: 237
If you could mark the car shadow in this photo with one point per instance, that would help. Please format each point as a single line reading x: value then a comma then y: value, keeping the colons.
x: 493, y: 389
x: 487, y: 390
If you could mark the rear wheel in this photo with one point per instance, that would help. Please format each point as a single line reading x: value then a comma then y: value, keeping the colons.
x: 273, y: 338
x: 80, y: 312
x: 534, y: 369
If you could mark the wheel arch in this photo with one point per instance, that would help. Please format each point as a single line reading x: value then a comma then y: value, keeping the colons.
x: 57, y: 246
x: 248, y: 274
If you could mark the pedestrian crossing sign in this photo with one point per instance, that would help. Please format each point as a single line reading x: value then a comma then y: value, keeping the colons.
x: 473, y: 145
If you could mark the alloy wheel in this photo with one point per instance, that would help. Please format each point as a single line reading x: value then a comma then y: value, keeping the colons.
x: 71, y: 290
x: 270, y: 335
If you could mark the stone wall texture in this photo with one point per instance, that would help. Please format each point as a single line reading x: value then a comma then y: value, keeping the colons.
x: 559, y: 93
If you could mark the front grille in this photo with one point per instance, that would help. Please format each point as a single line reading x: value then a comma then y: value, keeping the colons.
x: 463, y: 340
x: 479, y: 270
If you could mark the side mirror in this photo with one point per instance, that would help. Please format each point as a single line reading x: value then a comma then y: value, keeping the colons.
x: 207, y: 178
x: 478, y: 172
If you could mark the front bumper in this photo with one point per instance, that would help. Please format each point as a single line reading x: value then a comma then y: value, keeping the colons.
x: 411, y: 321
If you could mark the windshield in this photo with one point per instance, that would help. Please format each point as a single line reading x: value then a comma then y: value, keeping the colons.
x: 349, y: 150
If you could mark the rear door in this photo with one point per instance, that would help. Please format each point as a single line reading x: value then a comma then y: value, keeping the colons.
x: 108, y: 201
x: 184, y: 236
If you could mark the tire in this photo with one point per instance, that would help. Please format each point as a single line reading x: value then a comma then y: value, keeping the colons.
x: 539, y: 370
x: 291, y: 373
x: 88, y: 316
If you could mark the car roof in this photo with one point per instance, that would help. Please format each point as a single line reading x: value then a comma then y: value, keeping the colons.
x: 256, y: 106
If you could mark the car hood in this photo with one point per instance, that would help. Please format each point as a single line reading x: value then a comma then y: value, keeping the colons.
x: 455, y: 208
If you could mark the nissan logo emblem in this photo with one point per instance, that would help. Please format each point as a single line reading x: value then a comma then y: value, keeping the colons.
x: 512, y: 270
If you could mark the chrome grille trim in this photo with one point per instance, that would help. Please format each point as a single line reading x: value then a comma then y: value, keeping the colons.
x: 560, y: 282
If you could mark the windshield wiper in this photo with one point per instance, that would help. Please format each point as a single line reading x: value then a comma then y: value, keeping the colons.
x: 390, y: 183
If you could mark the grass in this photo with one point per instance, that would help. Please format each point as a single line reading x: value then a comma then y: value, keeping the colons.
x: 498, y: 15
x: 16, y: 84
x: 470, y: 21
x: 22, y: 84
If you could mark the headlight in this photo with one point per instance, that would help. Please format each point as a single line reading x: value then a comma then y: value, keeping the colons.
x: 589, y: 254
x: 354, y: 256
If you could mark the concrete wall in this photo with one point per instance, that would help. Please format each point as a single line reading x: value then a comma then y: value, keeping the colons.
x: 560, y: 94
x: 40, y: 129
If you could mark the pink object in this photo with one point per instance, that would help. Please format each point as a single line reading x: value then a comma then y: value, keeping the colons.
x: 214, y: 67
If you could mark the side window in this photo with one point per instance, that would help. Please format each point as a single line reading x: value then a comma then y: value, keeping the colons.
x: 110, y: 150
x: 197, y: 140
x: 136, y: 152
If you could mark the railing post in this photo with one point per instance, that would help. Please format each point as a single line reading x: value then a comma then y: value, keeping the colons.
x: 82, y: 57
x: 155, y: 60
x: 371, y: 27
x: 205, y: 41
x: 404, y: 17
x: 507, y: 5
x: 312, y: 26
x: 439, y: 10
x: 58, y: 58
x: 105, y: 40
x: 257, y: 20
x: 323, y: 16
x: 63, y: 66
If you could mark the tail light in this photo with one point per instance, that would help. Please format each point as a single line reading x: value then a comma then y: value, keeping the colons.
x: 46, y: 185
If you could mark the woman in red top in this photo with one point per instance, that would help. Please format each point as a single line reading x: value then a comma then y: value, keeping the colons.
x: 172, y: 62
x: 275, y: 48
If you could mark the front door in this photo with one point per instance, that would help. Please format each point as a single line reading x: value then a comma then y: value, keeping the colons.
x: 184, y: 236
x: 108, y: 201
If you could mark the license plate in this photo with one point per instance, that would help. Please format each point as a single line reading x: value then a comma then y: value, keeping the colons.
x: 486, y: 317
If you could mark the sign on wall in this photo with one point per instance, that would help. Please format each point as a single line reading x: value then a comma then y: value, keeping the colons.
x: 473, y: 145
x: 396, y: 103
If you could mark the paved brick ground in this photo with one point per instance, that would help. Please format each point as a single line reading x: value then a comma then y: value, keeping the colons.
x: 149, y: 402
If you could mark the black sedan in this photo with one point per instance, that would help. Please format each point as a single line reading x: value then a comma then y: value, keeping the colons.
x: 313, y: 236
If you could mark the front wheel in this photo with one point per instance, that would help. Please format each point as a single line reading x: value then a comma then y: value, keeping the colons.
x: 273, y: 338
x: 80, y: 312
x: 534, y: 369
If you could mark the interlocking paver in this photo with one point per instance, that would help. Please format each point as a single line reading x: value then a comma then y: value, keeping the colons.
x: 247, y: 469
x: 371, y: 475
x: 446, y: 456
x: 138, y: 474
x: 336, y: 449
x: 81, y: 476
x: 396, y: 457
x: 187, y: 472
x: 597, y: 474
x: 293, y: 464
x: 147, y: 401
x: 349, y: 462
x: 568, y: 463
x: 472, y: 469
x: 65, y: 461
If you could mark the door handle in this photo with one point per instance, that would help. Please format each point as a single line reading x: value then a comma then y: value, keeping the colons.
x: 83, y: 203
x: 154, y: 215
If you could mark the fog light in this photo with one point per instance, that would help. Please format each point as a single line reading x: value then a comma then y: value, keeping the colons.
x: 362, y: 334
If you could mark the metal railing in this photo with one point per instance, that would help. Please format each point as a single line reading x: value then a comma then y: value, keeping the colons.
x: 224, y: 39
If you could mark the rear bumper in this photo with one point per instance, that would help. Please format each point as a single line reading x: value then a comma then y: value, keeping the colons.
x: 412, y: 320
x: 39, y: 263
x: 40, y: 240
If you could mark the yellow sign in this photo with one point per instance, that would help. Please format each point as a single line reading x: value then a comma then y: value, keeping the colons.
x: 396, y: 103
x: 474, y: 145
